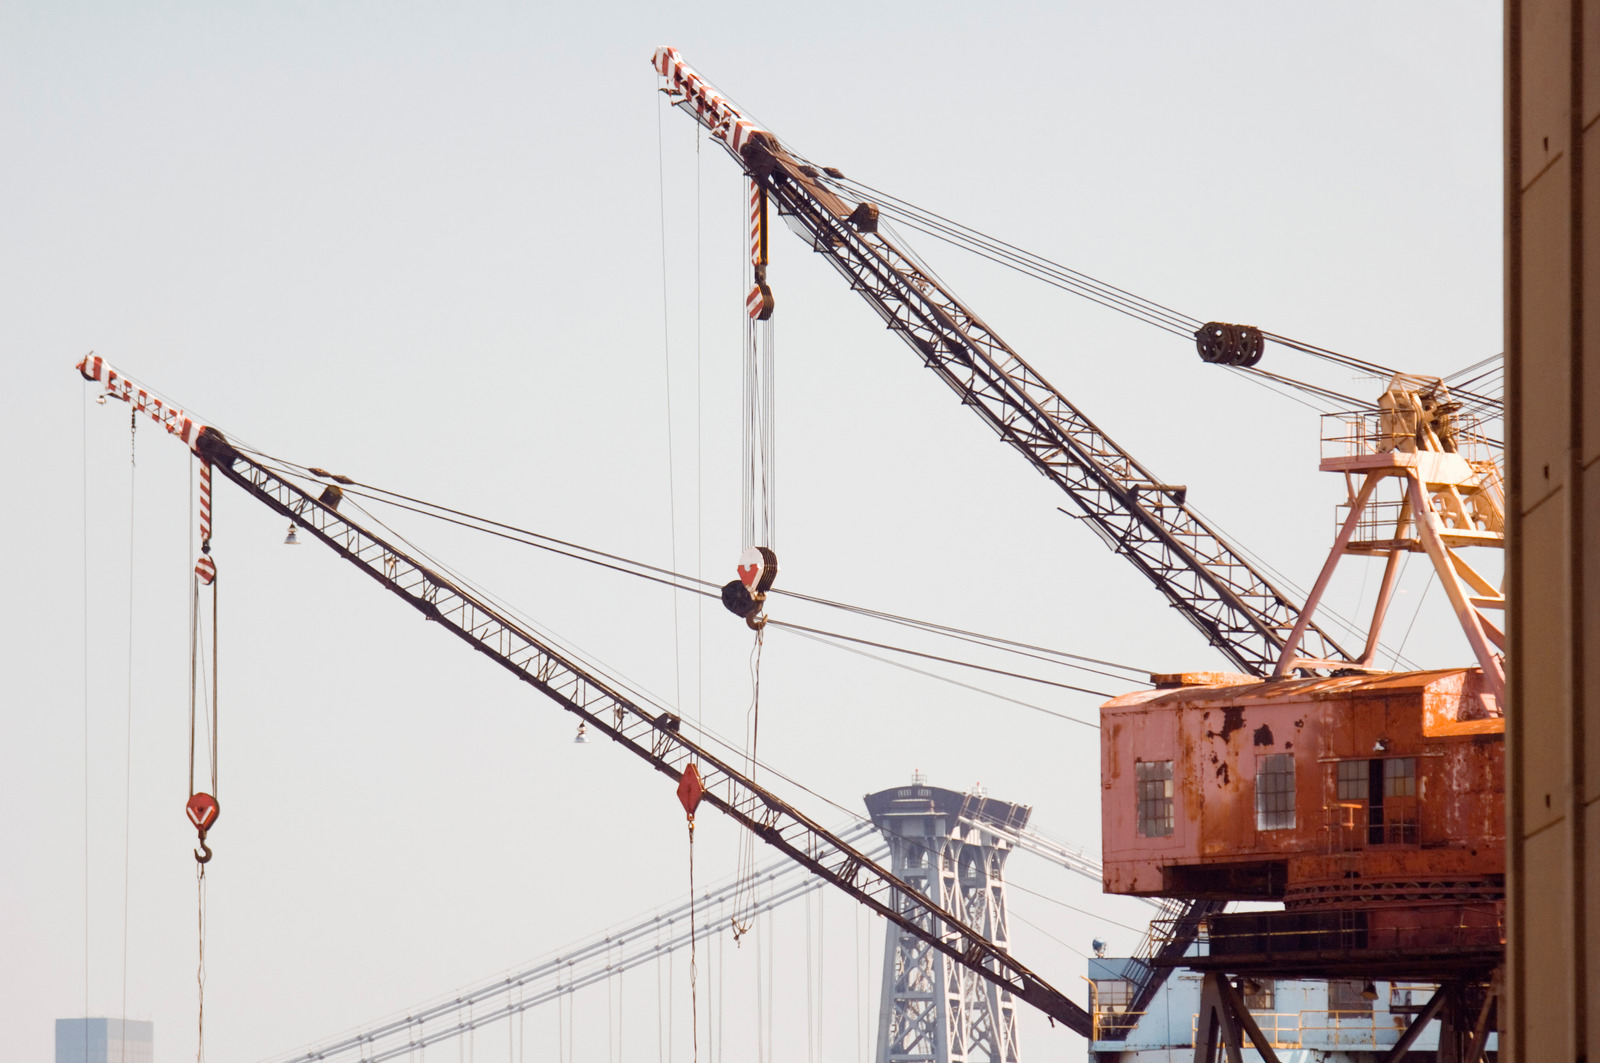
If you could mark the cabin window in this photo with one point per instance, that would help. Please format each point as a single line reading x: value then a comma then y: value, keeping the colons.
x: 1153, y: 783
x: 1275, y: 791
x: 1111, y: 999
x: 1112, y: 994
x: 1400, y: 800
x: 1258, y: 994
x: 1348, y: 995
x: 1378, y: 801
x: 1353, y: 780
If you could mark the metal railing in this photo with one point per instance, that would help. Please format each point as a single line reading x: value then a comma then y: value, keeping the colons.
x: 1355, y: 433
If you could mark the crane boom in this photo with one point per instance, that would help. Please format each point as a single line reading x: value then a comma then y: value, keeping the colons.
x: 1239, y: 611
x: 655, y: 738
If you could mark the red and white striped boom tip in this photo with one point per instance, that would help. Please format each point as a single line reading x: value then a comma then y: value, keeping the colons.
x: 163, y: 413
x: 723, y: 119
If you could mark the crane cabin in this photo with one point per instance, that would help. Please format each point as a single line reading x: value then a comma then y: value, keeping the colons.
x: 1371, y: 804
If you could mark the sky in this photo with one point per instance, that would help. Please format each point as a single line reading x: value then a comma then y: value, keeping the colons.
x: 466, y: 252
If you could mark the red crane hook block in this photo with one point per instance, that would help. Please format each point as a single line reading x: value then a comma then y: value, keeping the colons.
x: 690, y: 788
x: 203, y: 812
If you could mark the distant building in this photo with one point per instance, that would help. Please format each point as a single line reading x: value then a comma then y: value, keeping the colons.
x: 105, y: 1041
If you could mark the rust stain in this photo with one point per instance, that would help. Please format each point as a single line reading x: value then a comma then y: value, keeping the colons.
x: 1458, y: 811
x: 1232, y: 720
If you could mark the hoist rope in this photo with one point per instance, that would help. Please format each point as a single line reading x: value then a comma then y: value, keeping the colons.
x: 210, y: 700
x: 127, y: 774
x: 200, y: 968
x: 84, y: 439
x: 822, y: 926
x: 744, y: 902
x: 771, y: 952
x: 670, y: 1013
x: 694, y: 967
x: 811, y: 1053
x: 855, y: 962
x: 722, y: 985
x: 666, y: 359
x: 761, y: 1056
x: 699, y: 439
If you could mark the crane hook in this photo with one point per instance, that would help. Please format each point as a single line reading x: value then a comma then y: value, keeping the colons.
x: 202, y: 855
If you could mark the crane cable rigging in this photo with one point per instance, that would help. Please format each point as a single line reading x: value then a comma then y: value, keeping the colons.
x: 758, y: 563
x: 202, y: 806
x: 1237, y: 346
x: 693, y: 584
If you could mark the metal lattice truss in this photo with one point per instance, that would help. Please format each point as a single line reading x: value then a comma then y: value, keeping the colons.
x: 1137, y: 515
x: 935, y: 1010
x: 653, y: 736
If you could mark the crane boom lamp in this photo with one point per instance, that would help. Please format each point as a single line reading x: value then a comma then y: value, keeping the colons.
x: 654, y: 738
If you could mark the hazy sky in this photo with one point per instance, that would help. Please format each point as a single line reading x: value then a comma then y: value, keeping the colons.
x: 422, y: 244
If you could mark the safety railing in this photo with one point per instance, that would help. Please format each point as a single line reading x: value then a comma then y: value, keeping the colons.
x: 1356, y: 433
x: 1350, y: 1029
x: 1113, y: 1025
x: 1281, y: 1028
x: 1323, y: 1029
x: 1165, y: 928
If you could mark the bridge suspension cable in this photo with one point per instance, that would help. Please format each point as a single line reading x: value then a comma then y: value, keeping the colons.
x: 620, y: 949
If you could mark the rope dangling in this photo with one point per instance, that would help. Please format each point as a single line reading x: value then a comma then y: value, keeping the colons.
x: 758, y: 566
x: 744, y: 900
x: 690, y: 790
x: 202, y: 807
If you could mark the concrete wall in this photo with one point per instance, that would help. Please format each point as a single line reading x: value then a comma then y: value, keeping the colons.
x: 1553, y: 388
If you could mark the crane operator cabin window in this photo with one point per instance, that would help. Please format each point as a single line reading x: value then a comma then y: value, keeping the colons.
x: 1379, y: 800
x: 1275, y: 791
x: 1153, y: 781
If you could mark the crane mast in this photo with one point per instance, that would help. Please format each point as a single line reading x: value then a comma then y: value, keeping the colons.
x: 1239, y: 611
x: 655, y: 738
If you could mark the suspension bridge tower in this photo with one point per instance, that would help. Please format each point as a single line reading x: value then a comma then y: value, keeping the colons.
x: 933, y: 1010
